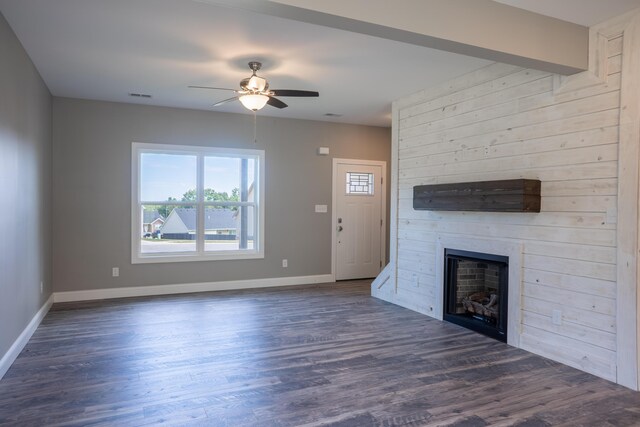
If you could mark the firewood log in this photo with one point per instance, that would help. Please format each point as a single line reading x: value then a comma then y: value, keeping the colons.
x: 493, y: 299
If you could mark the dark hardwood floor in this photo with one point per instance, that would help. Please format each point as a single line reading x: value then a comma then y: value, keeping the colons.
x: 318, y: 355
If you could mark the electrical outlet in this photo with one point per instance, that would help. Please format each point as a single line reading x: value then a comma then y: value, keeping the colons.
x: 41, y: 287
x: 115, y: 272
x: 556, y: 317
x: 285, y: 263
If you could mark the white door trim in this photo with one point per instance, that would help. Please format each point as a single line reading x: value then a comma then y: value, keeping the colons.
x: 334, y: 213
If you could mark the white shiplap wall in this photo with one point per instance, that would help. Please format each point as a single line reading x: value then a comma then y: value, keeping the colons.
x: 505, y: 122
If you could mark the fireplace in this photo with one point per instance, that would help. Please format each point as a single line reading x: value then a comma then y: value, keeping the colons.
x: 476, y: 291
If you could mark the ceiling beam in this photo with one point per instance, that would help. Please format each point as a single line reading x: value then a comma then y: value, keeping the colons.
x: 480, y: 28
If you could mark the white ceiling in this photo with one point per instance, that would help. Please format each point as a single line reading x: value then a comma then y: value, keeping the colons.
x: 97, y: 49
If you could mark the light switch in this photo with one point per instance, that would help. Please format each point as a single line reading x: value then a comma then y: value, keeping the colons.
x: 321, y: 208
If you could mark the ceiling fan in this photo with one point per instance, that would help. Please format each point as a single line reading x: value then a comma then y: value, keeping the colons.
x: 254, y: 91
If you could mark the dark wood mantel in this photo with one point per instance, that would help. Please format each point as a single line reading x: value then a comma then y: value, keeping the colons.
x: 513, y: 195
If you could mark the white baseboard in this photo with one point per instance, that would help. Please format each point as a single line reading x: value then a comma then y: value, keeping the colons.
x: 186, y: 288
x: 22, y: 340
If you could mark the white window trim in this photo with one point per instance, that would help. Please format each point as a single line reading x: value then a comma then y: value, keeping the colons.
x: 138, y: 257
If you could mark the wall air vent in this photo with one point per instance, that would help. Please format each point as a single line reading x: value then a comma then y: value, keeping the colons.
x: 139, y: 95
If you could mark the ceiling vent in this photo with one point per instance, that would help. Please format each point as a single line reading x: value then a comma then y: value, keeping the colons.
x: 333, y: 115
x: 139, y: 95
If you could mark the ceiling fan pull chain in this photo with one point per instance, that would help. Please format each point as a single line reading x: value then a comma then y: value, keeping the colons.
x: 255, y: 131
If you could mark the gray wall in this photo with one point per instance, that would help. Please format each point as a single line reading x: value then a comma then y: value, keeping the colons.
x: 92, y: 189
x: 25, y: 189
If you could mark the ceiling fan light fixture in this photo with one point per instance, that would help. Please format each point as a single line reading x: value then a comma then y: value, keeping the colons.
x: 257, y: 84
x: 254, y: 102
x: 254, y: 92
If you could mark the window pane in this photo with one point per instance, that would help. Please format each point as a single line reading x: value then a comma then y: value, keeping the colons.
x: 359, y: 183
x: 174, y: 222
x: 167, y: 177
x: 229, y: 228
x: 228, y: 179
x: 168, y: 228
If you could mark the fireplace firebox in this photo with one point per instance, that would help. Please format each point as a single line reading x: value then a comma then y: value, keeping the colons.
x: 476, y: 291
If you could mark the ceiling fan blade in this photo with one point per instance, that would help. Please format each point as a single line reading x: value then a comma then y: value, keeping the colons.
x: 209, y: 87
x: 225, y: 101
x: 290, y: 92
x: 275, y: 102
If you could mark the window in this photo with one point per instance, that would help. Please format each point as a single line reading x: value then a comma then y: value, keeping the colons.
x: 204, y: 203
x: 360, y: 183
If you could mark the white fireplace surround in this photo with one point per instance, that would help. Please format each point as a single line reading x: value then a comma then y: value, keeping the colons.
x: 495, y: 247
x: 489, y: 125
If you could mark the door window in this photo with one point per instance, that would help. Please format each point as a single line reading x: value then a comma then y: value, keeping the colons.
x: 360, y: 184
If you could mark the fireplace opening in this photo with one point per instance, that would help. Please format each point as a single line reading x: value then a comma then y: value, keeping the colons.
x: 475, y: 291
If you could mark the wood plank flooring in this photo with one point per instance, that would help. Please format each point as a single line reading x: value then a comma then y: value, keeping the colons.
x: 303, y: 356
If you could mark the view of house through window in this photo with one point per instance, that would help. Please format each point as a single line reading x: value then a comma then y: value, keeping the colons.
x: 196, y: 203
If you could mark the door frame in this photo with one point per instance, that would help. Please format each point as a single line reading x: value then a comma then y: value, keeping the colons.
x: 334, y: 212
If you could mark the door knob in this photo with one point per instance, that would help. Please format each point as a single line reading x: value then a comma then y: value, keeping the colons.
x: 339, y: 228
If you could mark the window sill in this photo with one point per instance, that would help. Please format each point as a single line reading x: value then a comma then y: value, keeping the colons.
x: 167, y: 258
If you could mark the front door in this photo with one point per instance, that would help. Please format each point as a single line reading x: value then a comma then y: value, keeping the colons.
x: 358, y: 218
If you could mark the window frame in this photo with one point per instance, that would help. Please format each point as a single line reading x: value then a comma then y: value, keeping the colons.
x: 200, y: 254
